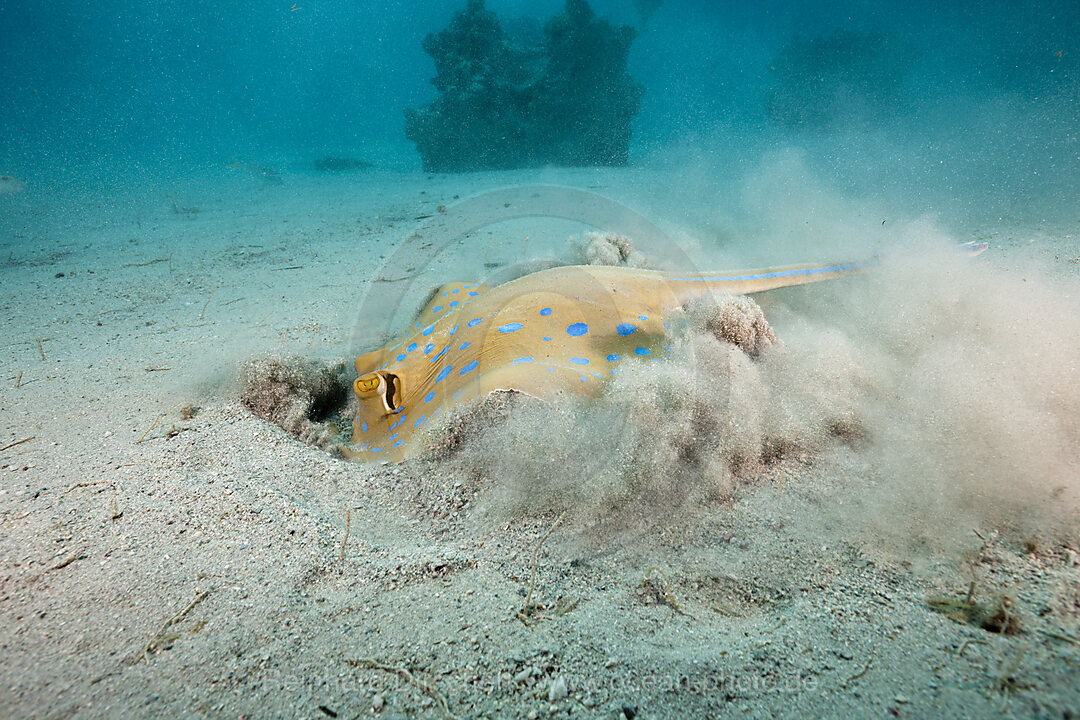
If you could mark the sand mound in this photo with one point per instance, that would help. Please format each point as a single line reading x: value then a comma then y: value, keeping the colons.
x: 606, y: 248
x: 299, y: 394
x: 734, y: 319
x: 468, y: 424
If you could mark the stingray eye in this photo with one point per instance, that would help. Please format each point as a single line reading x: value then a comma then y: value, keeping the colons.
x: 383, y: 385
x: 366, y: 385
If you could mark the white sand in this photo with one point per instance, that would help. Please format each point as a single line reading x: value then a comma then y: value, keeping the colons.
x: 117, y: 513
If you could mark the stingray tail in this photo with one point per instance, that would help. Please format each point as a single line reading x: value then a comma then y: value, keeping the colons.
x: 746, y: 282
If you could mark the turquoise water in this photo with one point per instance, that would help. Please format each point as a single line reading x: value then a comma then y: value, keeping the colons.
x: 988, y: 116
x: 191, y: 188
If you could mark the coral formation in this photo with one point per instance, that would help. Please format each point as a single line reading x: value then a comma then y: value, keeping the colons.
x: 646, y: 8
x: 842, y: 77
x: 508, y: 99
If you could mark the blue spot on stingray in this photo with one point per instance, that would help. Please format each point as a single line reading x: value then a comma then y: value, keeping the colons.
x: 392, y: 436
x: 463, y: 345
x: 453, y: 330
x: 428, y: 330
x: 545, y: 311
x: 626, y: 328
x: 375, y: 450
x: 420, y: 421
x: 400, y: 357
x: 417, y: 323
x: 441, y: 353
x: 443, y: 373
x: 466, y: 285
x: 547, y: 339
x: 428, y: 348
x: 473, y: 292
x: 510, y: 327
x: 455, y: 291
x: 580, y: 361
x: 429, y: 397
x: 453, y: 303
x: 577, y: 329
x: 584, y: 379
x: 411, y: 347
x: 668, y: 348
x: 642, y: 351
x: 397, y: 444
x: 474, y: 322
x: 469, y: 367
x: 437, y: 308
x: 613, y: 357
x: 444, y: 294
x: 522, y: 360
x: 598, y: 376
x: 642, y: 317
x: 363, y: 427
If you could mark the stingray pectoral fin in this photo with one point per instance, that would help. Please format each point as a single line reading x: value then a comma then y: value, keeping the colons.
x: 348, y: 453
x: 367, y: 362
x: 394, y: 455
x: 509, y: 378
x: 448, y: 296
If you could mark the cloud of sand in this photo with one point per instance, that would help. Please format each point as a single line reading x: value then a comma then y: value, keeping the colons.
x: 973, y: 409
x: 946, y: 385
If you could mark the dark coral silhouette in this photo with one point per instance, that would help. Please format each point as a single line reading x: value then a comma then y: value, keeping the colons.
x: 507, y: 102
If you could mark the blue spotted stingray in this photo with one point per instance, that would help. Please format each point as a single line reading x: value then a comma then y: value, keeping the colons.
x: 566, y: 329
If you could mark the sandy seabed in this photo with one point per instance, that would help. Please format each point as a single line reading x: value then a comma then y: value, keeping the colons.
x: 167, y: 554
